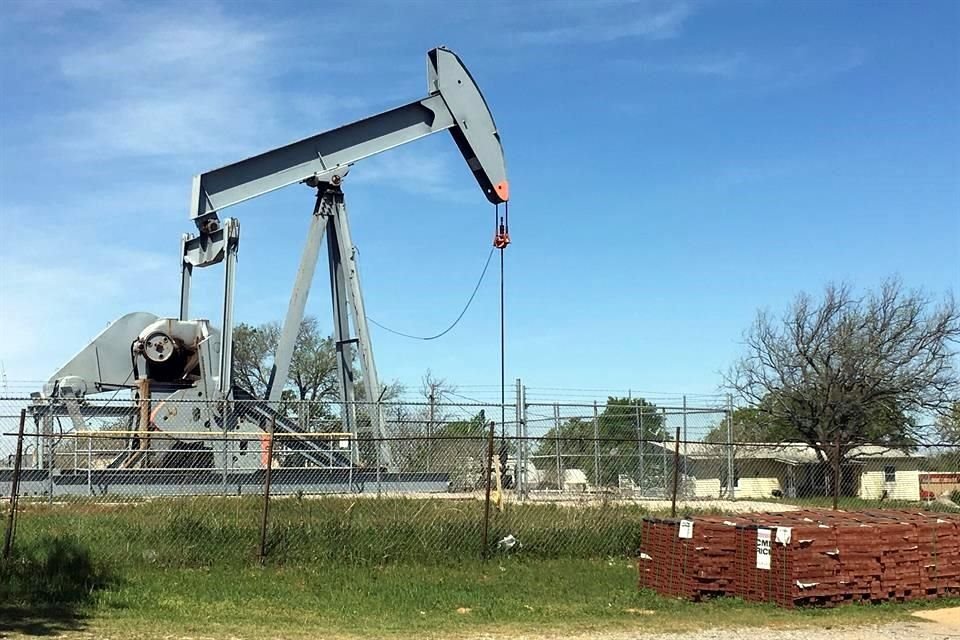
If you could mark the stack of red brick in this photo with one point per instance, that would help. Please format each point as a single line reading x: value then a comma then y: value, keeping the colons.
x: 804, y: 557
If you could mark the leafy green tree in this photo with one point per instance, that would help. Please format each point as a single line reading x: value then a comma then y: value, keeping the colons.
x: 750, y: 424
x: 619, y: 443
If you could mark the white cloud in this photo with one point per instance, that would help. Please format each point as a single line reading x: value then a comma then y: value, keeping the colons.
x: 62, y: 292
x: 419, y: 172
x: 785, y: 68
x: 721, y: 66
x: 169, y: 85
x: 598, y: 23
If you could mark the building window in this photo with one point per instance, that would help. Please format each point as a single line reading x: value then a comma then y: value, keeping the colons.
x: 889, y: 474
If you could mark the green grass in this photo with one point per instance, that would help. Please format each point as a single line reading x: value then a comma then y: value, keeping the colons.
x: 511, y: 596
x: 203, y: 532
x: 347, y: 567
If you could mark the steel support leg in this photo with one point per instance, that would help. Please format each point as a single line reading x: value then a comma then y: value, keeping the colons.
x: 341, y: 324
x: 298, y: 297
x: 351, y: 272
x: 232, y: 238
x: 186, y: 274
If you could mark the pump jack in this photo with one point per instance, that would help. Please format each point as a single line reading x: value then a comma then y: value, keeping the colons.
x: 179, y: 370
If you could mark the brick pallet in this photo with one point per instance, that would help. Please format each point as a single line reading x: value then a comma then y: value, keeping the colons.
x: 828, y: 558
x: 692, y: 568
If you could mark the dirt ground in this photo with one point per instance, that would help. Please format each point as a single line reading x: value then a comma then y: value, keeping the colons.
x: 946, y: 618
x: 938, y: 624
x: 586, y: 500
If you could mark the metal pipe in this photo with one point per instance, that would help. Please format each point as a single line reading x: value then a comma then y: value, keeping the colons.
x: 685, y: 457
x: 14, y: 490
x: 731, y: 465
x: 663, y: 420
x: 523, y: 445
x: 836, y: 474
x: 266, y: 494
x: 89, y: 464
x: 556, y: 435
x: 517, y: 456
x: 596, y: 448
x: 638, y: 419
x: 676, y: 474
x: 486, y: 500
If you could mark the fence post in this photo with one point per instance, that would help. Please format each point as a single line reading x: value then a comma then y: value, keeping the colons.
x: 685, y: 458
x: 517, y: 416
x: 663, y: 427
x: 430, y: 423
x: 48, y: 454
x: 731, y: 465
x: 521, y: 468
x: 266, y: 493
x: 556, y: 436
x: 488, y: 472
x: 14, y: 490
x: 226, y: 426
x: 378, y: 438
x: 676, y: 474
x: 90, y: 464
x: 836, y: 473
x: 596, y: 448
x: 638, y: 418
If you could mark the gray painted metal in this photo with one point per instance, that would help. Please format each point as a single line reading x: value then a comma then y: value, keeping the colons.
x: 231, y: 232
x: 348, y: 262
x: 454, y: 103
x: 186, y: 275
x: 209, y: 482
x: 347, y: 258
x: 298, y: 298
x: 341, y: 323
x: 106, y: 360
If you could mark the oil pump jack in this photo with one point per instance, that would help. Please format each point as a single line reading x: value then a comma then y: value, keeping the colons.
x: 178, y: 370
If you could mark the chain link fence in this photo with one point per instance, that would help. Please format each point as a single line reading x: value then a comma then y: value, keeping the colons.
x: 196, y: 482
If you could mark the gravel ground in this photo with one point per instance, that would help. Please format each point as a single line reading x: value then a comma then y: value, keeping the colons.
x: 940, y: 624
x: 587, y: 500
x: 899, y: 631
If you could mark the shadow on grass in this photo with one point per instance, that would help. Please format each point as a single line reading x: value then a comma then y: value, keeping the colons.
x: 44, y: 586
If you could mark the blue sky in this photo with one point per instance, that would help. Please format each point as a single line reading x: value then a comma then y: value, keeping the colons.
x: 674, y: 166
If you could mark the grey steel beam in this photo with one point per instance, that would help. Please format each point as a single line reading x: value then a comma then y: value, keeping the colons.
x: 455, y: 103
x: 341, y: 326
x: 348, y: 258
x: 186, y: 274
x: 351, y: 273
x: 231, y: 234
x: 298, y: 297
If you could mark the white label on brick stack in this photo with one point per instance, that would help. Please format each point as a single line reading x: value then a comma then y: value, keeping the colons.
x: 763, y: 549
x: 686, y: 529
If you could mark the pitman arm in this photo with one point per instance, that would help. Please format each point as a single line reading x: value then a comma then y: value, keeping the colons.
x: 454, y: 102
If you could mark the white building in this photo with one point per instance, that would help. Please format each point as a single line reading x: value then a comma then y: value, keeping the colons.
x: 765, y: 470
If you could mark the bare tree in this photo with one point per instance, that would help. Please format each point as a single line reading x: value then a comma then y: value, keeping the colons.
x: 852, y: 370
x: 948, y: 424
x: 313, y: 368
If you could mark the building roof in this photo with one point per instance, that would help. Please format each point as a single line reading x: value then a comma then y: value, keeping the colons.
x: 786, y: 452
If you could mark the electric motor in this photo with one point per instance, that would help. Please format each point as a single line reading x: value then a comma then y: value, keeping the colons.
x: 159, y: 347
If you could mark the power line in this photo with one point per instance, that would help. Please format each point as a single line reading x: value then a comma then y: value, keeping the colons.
x: 455, y: 322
